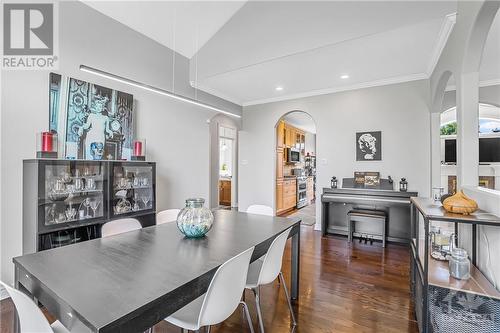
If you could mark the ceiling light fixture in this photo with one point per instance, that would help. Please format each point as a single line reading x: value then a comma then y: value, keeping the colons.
x: 153, y: 89
x: 279, y: 88
x: 345, y: 76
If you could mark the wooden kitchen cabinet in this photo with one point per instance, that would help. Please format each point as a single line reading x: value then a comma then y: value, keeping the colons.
x: 279, y: 163
x: 280, y: 133
x: 289, y: 194
x: 225, y: 192
x: 279, y: 195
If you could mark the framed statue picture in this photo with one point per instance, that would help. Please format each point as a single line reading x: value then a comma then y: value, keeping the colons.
x: 369, y: 146
x: 98, y: 122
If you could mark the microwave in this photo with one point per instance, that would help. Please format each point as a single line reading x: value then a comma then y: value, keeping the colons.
x: 292, y: 155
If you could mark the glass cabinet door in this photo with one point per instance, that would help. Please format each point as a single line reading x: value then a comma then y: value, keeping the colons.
x: 73, y: 192
x: 132, y: 188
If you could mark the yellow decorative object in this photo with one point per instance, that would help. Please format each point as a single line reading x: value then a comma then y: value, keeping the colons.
x: 460, y: 203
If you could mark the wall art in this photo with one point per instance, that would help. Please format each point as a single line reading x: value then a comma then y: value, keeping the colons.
x: 369, y: 146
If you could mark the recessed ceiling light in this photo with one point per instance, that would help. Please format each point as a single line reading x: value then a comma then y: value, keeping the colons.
x: 345, y: 76
x: 279, y: 88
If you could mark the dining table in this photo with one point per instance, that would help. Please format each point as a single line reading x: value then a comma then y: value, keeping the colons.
x: 132, y: 281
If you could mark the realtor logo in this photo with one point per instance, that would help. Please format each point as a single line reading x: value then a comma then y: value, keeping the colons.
x: 28, y: 36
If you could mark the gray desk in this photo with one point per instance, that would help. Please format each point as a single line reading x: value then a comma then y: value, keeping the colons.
x: 336, y: 203
x: 129, y: 282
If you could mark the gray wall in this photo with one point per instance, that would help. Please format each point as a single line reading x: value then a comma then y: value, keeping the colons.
x: 177, y: 133
x: 400, y: 111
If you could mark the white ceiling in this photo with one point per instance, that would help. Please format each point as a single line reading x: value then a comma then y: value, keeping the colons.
x: 306, y: 46
x: 242, y: 50
x: 183, y: 26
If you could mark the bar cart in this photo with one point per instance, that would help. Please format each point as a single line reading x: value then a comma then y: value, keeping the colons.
x: 67, y: 201
x: 443, y: 303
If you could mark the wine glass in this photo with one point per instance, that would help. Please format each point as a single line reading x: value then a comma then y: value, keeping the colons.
x: 145, y: 199
x: 94, y: 204
x: 70, y: 213
x: 86, y: 205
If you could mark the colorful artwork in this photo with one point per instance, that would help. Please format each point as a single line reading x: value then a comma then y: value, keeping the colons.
x: 98, y: 122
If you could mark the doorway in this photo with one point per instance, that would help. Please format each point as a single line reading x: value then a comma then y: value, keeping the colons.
x: 227, y: 162
x: 296, y: 166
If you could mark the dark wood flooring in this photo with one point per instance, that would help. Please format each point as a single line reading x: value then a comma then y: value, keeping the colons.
x: 343, y: 288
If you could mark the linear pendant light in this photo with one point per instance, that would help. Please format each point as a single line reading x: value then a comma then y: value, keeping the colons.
x: 153, y: 89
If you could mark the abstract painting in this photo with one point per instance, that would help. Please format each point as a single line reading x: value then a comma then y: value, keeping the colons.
x: 98, y: 122
x: 369, y: 146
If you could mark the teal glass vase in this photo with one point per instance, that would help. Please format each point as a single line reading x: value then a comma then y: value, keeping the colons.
x: 195, y: 220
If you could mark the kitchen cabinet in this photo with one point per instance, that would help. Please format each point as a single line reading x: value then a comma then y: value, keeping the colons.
x: 279, y: 163
x: 279, y: 195
x: 281, y: 135
x: 225, y: 192
x: 289, y: 194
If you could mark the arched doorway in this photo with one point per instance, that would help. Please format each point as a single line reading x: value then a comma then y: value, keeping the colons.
x: 295, y: 176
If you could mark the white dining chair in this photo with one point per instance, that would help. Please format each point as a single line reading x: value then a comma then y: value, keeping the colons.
x: 120, y: 226
x: 31, y: 318
x: 265, y: 270
x: 221, y: 299
x: 260, y: 209
x: 167, y: 215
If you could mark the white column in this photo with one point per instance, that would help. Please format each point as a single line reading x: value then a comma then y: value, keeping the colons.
x: 468, y: 129
x: 435, y: 149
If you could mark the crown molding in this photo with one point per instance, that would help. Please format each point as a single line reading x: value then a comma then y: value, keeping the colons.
x: 383, y: 82
x: 485, y: 83
x: 444, y: 34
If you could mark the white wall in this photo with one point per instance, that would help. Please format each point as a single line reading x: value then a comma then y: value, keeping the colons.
x: 177, y: 133
x: 400, y: 111
x: 462, y: 56
x: 310, y: 143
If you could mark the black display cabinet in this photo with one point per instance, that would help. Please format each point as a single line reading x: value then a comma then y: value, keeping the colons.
x: 67, y: 201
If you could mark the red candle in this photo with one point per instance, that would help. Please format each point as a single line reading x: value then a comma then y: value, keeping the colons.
x: 137, y: 148
x: 47, y: 140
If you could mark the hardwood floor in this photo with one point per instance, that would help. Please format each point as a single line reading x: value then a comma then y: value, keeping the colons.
x: 343, y: 288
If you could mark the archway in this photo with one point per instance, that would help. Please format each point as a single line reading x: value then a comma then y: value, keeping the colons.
x: 295, y: 172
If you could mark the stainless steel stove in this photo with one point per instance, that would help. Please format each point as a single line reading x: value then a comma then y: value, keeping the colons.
x: 301, y: 191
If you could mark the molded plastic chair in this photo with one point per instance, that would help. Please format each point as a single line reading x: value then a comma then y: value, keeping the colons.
x: 260, y: 209
x: 221, y: 299
x: 120, y: 226
x: 265, y: 270
x: 168, y: 215
x: 31, y: 318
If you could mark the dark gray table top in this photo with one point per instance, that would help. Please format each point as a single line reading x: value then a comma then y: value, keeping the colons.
x: 111, y: 280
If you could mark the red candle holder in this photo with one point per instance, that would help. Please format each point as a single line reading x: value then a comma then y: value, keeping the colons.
x: 139, y: 150
x: 46, y: 145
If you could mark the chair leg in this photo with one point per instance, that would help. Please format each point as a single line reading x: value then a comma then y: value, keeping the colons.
x: 256, y: 292
x: 247, y: 315
x: 288, y: 298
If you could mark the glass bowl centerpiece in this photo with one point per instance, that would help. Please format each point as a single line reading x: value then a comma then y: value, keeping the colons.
x: 195, y: 220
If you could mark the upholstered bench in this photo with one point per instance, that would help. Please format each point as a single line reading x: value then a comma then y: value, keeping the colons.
x: 365, y: 215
